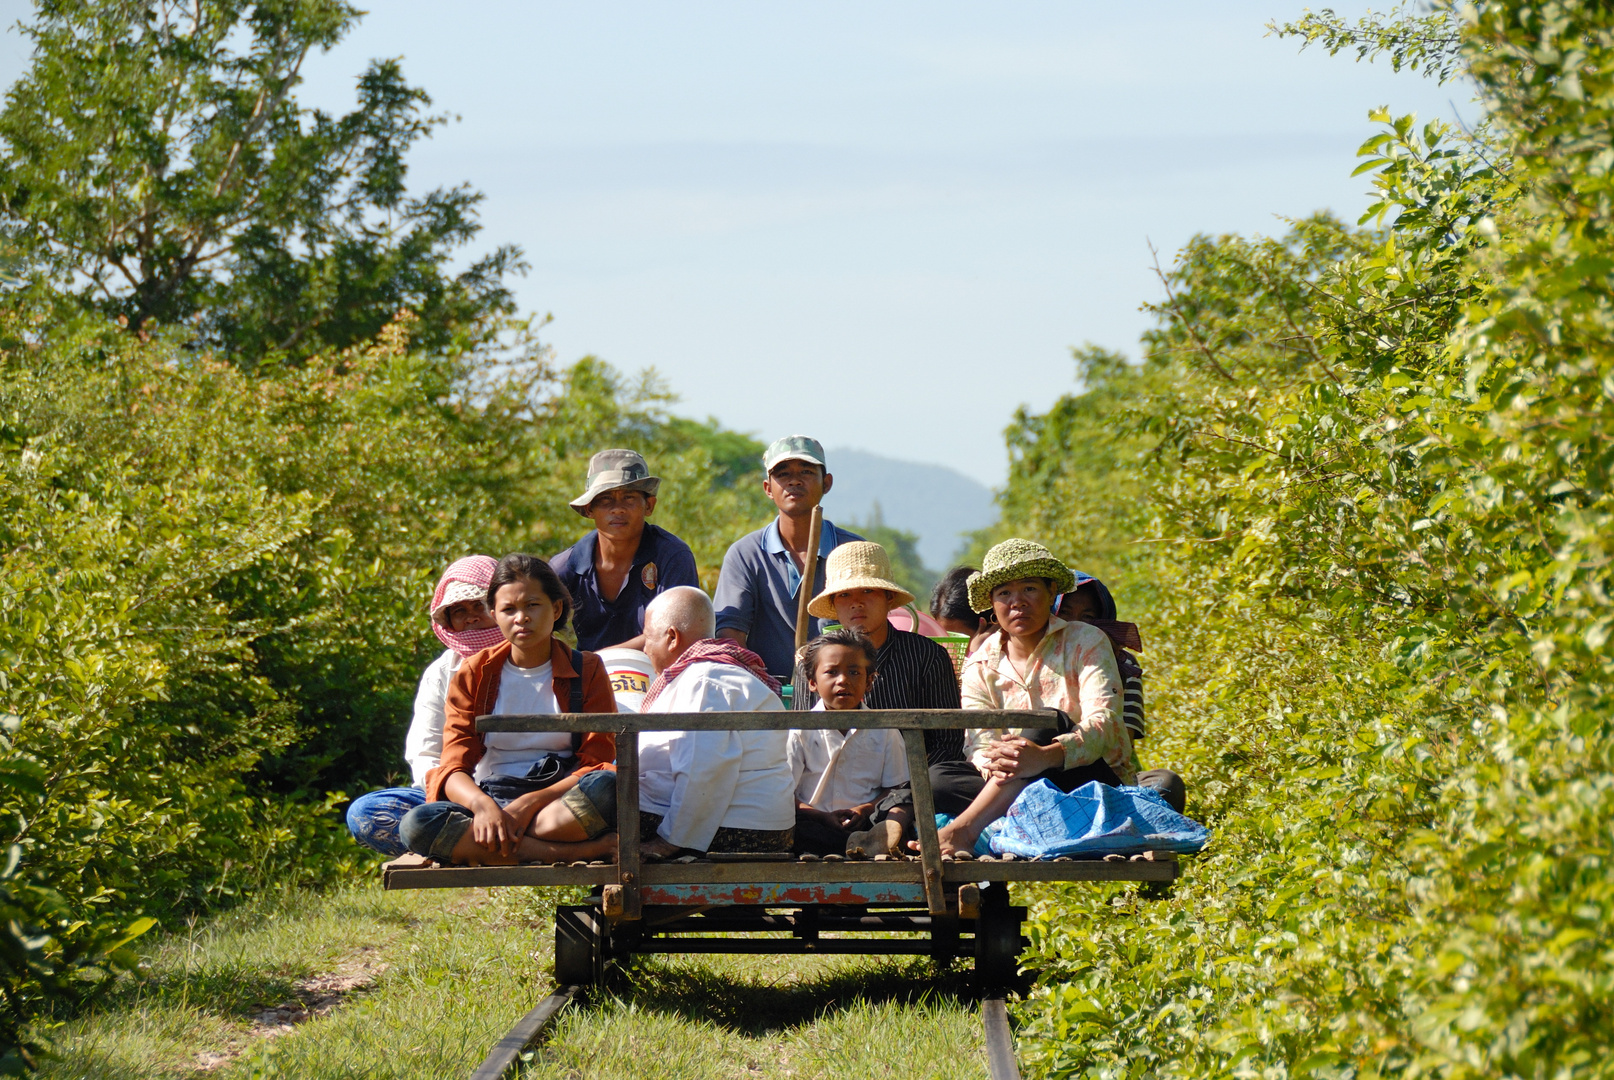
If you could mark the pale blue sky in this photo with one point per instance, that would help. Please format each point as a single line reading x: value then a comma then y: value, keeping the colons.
x: 881, y: 224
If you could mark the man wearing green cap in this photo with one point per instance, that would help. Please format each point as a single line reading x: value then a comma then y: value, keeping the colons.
x: 626, y: 562
x: 757, y: 588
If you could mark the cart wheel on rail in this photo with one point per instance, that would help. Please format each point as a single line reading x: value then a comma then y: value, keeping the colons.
x: 998, y: 942
x: 579, y: 946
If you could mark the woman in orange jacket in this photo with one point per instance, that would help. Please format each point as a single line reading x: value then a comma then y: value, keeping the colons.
x: 499, y: 798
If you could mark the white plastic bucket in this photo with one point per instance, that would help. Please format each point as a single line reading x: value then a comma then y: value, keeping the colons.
x: 630, y: 672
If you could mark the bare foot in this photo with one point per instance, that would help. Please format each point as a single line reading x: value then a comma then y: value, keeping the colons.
x: 951, y: 839
x: 660, y: 848
x: 552, y: 851
x: 883, y: 838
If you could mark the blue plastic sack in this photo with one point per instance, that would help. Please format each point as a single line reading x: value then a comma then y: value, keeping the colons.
x: 1096, y: 820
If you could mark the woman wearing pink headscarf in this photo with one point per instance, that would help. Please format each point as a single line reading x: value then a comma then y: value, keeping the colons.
x: 461, y: 621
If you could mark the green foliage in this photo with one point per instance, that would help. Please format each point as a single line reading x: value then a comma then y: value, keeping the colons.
x: 1429, y: 44
x: 45, y: 950
x: 1377, y: 473
x: 215, y: 585
x: 112, y: 802
x: 159, y: 166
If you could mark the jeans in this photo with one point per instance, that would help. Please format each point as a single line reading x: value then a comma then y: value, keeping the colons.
x: 374, y: 818
x: 434, y: 828
x: 593, y: 802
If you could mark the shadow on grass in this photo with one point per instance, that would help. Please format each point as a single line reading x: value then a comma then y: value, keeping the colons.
x: 753, y: 1006
x: 227, y: 991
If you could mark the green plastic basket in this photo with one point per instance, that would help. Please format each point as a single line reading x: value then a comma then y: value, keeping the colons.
x: 957, y: 646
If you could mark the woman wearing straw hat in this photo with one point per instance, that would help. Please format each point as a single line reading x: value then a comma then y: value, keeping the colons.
x: 1037, y: 660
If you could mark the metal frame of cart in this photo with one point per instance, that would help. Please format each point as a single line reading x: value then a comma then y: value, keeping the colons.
x: 924, y: 905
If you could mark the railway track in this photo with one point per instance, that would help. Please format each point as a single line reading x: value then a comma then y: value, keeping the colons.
x: 946, y: 907
x: 532, y: 1029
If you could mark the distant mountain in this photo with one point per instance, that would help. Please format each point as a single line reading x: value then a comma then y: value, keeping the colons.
x: 937, y: 503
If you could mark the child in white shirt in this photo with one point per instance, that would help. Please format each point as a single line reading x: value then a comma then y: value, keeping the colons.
x: 851, y: 784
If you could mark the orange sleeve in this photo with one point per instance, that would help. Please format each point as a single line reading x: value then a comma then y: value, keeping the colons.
x: 462, y: 745
x: 599, y: 747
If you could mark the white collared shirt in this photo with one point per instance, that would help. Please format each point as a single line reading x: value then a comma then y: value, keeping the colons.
x: 831, y: 771
x: 702, y: 780
x: 423, y: 746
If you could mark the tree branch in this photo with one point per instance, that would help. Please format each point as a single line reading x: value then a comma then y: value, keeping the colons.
x: 1176, y: 309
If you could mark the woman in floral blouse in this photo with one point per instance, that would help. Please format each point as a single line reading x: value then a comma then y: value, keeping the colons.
x: 1037, y: 660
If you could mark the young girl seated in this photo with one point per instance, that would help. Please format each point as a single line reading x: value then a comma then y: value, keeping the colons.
x: 460, y: 619
x: 852, y: 793
x: 496, y: 798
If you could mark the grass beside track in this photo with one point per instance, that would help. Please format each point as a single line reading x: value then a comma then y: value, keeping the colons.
x: 362, y: 983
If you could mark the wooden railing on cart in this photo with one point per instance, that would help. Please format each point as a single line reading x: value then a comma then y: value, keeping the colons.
x: 624, y: 900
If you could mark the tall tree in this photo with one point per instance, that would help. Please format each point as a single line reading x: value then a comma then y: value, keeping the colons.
x: 158, y: 166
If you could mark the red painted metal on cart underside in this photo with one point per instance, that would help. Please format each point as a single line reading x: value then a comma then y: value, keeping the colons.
x: 786, y: 893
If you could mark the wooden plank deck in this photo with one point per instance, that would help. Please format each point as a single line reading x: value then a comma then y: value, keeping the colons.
x: 417, y: 872
x: 626, y: 879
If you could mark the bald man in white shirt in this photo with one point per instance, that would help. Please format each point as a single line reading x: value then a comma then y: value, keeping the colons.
x: 710, y: 790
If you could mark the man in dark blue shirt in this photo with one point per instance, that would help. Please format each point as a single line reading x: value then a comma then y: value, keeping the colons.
x: 616, y: 570
x: 757, y: 587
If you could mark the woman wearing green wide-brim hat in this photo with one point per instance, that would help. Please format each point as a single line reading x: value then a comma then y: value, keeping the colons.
x: 1036, y: 660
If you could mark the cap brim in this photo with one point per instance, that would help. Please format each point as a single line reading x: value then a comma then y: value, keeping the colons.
x: 649, y: 485
x: 808, y: 458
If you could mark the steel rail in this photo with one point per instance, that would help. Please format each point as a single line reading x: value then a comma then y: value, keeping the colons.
x: 1000, y: 1061
x: 530, y: 1029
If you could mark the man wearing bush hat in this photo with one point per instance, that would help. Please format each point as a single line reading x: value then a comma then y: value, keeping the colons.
x: 626, y: 562
x: 757, y: 588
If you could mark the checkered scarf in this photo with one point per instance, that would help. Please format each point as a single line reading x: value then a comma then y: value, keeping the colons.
x: 471, y: 572
x: 715, y: 651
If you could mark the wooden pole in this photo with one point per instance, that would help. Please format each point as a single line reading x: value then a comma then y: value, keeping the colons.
x: 924, y: 819
x: 804, y: 621
x: 627, y: 823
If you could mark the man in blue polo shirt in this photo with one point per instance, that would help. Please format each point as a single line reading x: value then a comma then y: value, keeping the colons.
x: 626, y: 562
x: 757, y: 588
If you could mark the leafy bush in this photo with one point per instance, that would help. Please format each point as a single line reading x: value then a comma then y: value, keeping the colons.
x: 1377, y: 467
x: 214, y: 588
